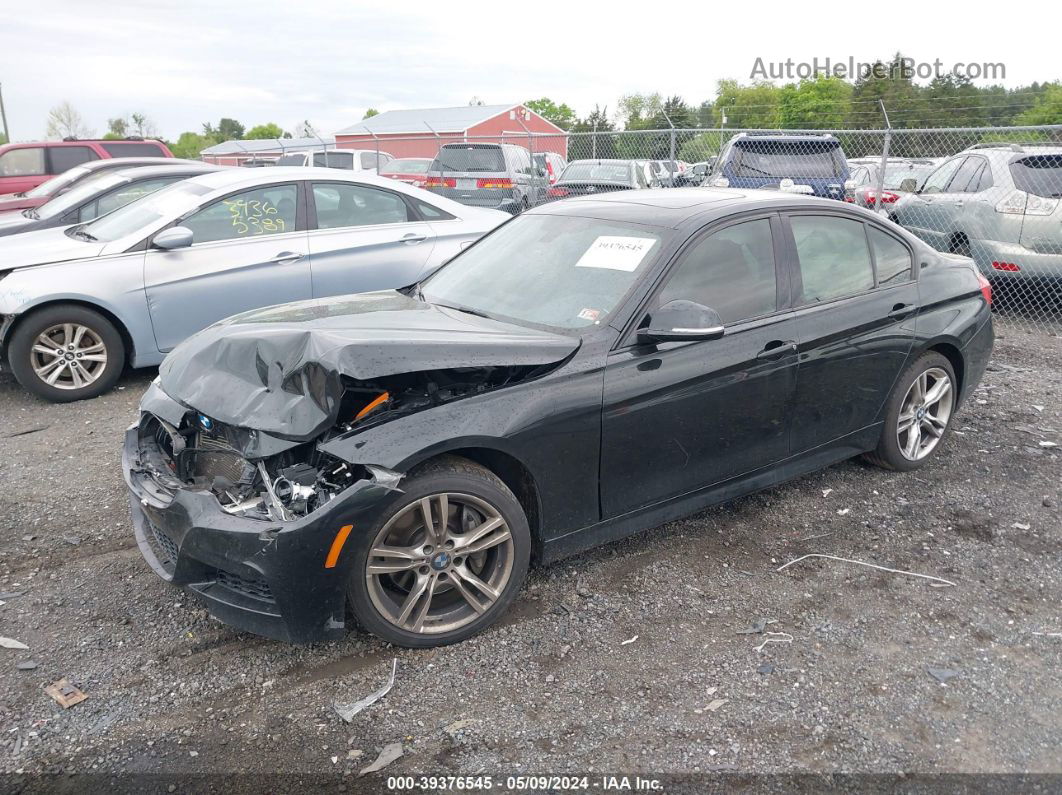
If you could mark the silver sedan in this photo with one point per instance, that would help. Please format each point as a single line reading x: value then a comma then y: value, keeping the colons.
x: 78, y: 304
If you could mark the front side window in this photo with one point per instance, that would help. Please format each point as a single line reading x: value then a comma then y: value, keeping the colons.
x: 938, y: 180
x: 339, y: 205
x: 254, y: 213
x: 731, y: 271
x: 892, y: 258
x: 833, y: 254
x: 561, y: 272
x: 27, y: 162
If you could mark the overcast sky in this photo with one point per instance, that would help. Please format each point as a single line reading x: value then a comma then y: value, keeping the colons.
x: 189, y: 62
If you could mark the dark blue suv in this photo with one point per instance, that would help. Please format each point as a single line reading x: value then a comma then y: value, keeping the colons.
x: 808, y: 164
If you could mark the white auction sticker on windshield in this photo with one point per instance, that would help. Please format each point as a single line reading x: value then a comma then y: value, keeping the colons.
x: 616, y: 253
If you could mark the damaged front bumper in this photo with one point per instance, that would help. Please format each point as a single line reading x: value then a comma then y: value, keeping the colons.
x: 284, y: 580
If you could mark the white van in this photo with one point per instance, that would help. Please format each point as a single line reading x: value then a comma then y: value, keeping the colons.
x: 366, y: 160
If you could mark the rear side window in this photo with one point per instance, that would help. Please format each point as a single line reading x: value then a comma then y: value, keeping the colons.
x: 132, y: 149
x: 1040, y: 175
x: 66, y: 157
x: 27, y: 162
x: 469, y: 158
x: 833, y: 254
x: 341, y: 205
x: 891, y: 257
x: 732, y: 271
x: 936, y: 181
x: 429, y: 212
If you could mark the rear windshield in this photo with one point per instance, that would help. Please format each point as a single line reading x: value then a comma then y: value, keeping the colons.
x: 334, y: 159
x: 413, y: 166
x: 595, y: 172
x: 291, y: 160
x: 469, y: 158
x: 1040, y: 175
x: 788, y: 159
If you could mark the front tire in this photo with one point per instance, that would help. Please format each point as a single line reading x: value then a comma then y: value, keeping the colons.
x: 918, y: 414
x: 445, y: 559
x: 66, y: 352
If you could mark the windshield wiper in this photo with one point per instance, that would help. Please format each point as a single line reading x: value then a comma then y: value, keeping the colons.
x: 31, y: 213
x: 81, y: 234
x: 466, y: 309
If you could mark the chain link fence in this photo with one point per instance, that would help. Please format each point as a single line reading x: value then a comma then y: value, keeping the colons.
x: 993, y: 194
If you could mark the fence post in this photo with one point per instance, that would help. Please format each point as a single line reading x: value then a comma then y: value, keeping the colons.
x: 593, y: 142
x: 884, y: 157
x: 671, y: 149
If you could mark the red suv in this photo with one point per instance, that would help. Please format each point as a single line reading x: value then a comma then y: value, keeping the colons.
x: 24, y: 166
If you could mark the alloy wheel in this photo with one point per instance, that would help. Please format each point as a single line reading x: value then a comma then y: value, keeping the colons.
x: 440, y: 563
x: 924, y: 413
x: 68, y: 356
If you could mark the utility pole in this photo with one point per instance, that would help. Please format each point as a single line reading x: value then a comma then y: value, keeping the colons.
x: 3, y: 117
x: 884, y: 156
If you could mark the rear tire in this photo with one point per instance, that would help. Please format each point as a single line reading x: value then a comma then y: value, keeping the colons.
x: 419, y: 587
x: 918, y: 414
x: 66, y: 352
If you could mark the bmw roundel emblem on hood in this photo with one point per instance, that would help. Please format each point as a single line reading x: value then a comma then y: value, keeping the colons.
x: 206, y: 423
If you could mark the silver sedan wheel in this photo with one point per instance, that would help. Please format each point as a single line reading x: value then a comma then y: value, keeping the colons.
x: 68, y: 356
x: 924, y: 413
x: 439, y: 563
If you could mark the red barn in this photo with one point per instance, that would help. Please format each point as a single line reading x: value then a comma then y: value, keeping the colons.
x: 419, y: 133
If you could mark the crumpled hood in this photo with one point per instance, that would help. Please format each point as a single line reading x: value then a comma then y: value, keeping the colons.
x: 42, y: 247
x: 280, y: 370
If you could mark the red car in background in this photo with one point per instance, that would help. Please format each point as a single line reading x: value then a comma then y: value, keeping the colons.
x: 411, y: 170
x: 72, y: 177
x: 26, y: 165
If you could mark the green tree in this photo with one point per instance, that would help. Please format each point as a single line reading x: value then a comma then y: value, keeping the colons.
x: 753, y: 106
x: 227, y: 130
x: 1047, y: 110
x: 117, y: 127
x: 190, y: 144
x: 369, y: 113
x: 263, y: 131
x: 561, y: 115
x: 597, y: 139
x: 822, y: 103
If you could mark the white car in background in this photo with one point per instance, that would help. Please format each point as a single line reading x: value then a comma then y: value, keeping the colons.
x: 359, y: 160
x: 79, y: 304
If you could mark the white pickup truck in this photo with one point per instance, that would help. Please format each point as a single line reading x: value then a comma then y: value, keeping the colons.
x: 368, y: 160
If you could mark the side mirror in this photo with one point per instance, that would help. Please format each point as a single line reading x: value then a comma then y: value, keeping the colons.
x: 682, y: 320
x: 909, y: 185
x: 174, y: 237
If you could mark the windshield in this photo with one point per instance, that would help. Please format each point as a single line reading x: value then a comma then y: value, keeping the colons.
x: 795, y: 159
x: 895, y: 175
x: 169, y: 202
x: 411, y: 166
x: 78, y: 195
x: 597, y: 172
x: 469, y: 158
x: 560, y: 272
x: 1040, y: 175
x: 291, y: 160
x: 56, y: 184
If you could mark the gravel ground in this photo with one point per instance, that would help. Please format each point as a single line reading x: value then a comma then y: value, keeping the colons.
x: 628, y: 659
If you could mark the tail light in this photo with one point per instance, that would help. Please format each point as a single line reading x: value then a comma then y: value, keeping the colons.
x: 986, y: 287
x: 1006, y: 266
x: 494, y: 182
x: 557, y: 192
x: 440, y: 182
x: 1019, y: 202
x: 887, y: 197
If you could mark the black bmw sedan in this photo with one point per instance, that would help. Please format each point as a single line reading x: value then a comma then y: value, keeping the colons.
x: 592, y: 368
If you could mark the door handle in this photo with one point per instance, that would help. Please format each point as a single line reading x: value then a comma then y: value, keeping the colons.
x: 776, y: 349
x: 902, y: 310
x: 284, y: 257
x: 412, y: 239
x: 958, y: 202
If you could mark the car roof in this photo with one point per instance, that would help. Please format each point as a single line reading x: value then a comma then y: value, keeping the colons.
x: 146, y: 172
x: 129, y: 162
x: 676, y: 209
x: 603, y: 162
